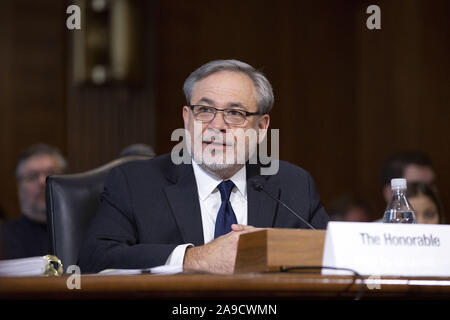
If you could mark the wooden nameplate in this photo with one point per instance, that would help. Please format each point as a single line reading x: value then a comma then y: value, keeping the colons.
x: 271, y: 249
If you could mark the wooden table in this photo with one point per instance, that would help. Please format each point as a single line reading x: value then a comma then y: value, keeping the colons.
x: 207, y: 286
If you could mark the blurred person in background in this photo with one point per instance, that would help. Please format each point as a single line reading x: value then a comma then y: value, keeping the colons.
x: 350, y: 208
x: 138, y: 149
x: 425, y: 202
x: 414, y: 166
x: 27, y: 235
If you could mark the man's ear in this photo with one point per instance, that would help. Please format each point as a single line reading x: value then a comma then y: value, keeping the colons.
x: 186, y: 116
x: 264, y: 121
x: 263, y: 125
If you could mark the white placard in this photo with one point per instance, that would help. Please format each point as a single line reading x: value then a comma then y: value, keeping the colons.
x: 378, y: 249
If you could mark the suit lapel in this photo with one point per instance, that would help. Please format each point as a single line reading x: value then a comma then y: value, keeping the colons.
x: 182, y: 196
x: 261, y: 208
x: 183, y: 200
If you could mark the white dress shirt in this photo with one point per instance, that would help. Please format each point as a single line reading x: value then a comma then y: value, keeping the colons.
x: 210, y: 201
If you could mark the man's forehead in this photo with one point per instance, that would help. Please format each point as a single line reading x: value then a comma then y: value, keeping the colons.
x: 224, y: 88
x: 231, y: 103
x: 41, y: 161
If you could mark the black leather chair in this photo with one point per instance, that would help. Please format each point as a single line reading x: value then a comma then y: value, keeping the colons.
x: 72, y: 201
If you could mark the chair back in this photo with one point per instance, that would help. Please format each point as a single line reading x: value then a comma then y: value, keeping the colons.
x: 72, y: 201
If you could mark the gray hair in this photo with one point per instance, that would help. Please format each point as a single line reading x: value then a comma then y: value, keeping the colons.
x: 265, y: 97
x: 39, y: 149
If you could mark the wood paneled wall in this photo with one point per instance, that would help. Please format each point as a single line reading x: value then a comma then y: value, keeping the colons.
x: 102, y: 120
x: 32, y: 85
x: 403, y: 92
x: 346, y: 97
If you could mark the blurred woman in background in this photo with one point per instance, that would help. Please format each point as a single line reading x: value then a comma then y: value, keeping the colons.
x: 426, y: 203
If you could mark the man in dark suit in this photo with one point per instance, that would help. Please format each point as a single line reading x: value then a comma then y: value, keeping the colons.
x: 156, y: 212
x: 27, y: 236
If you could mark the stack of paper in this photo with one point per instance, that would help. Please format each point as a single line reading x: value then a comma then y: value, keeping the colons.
x: 29, y: 267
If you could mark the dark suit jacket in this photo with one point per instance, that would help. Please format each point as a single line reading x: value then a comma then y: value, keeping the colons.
x: 22, y: 238
x: 149, y: 207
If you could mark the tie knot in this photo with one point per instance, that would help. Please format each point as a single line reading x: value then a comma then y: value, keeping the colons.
x: 225, y: 188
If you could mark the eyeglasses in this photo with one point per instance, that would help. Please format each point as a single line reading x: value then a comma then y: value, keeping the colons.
x: 34, y: 176
x: 230, y: 116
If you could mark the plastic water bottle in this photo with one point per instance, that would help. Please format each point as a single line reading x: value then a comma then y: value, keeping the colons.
x: 398, y: 209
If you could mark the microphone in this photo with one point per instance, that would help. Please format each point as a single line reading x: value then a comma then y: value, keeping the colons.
x: 260, y: 187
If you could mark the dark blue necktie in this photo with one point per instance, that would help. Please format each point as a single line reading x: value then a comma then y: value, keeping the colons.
x: 226, y: 216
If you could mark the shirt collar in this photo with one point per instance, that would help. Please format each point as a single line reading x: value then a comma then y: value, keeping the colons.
x: 206, y: 182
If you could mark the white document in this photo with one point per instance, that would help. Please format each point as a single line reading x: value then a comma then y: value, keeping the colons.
x: 155, y: 270
x: 387, y: 249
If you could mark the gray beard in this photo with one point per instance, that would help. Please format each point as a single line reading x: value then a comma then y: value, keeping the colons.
x: 36, y: 214
x: 222, y: 171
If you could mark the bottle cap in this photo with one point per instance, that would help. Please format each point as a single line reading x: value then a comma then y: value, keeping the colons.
x: 398, y: 184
